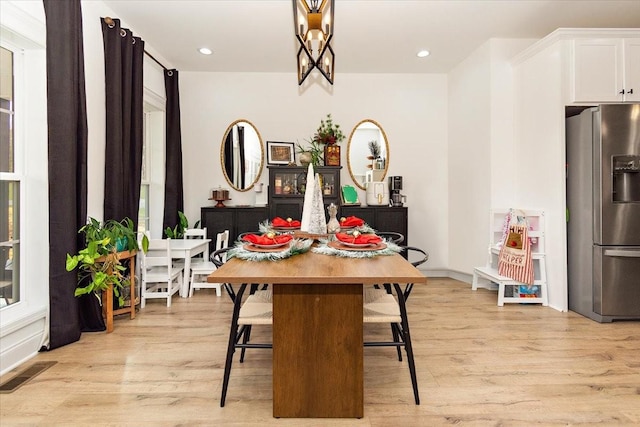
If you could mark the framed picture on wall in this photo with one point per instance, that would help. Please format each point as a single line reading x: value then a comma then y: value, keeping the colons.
x: 280, y: 153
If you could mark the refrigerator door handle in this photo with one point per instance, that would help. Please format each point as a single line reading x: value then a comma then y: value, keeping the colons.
x: 622, y: 253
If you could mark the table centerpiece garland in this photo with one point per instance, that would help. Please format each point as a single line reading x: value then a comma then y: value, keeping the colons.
x: 266, y: 227
x: 324, y: 249
x: 296, y: 247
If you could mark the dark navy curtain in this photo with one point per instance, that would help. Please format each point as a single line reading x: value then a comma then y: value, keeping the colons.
x: 123, y: 59
x: 173, y: 190
x: 67, y: 139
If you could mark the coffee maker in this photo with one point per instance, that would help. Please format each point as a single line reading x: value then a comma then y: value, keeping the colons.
x: 395, y: 186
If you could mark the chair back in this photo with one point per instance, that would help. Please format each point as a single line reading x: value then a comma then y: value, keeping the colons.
x: 222, y: 240
x: 391, y: 236
x: 412, y: 252
x: 195, y: 233
x: 158, y: 255
x: 219, y: 257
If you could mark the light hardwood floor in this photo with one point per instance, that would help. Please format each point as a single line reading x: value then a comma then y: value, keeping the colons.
x: 477, y: 364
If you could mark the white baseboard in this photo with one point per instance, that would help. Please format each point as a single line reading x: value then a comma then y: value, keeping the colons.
x: 452, y: 274
x: 21, y: 340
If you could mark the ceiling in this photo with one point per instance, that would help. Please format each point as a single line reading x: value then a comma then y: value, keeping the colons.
x: 374, y: 36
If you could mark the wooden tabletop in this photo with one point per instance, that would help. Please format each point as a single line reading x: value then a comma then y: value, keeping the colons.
x: 311, y: 268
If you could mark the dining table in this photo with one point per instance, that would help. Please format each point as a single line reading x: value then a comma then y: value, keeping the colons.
x: 185, y: 249
x: 318, y: 326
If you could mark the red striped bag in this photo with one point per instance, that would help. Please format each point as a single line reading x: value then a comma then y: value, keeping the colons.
x: 515, y: 259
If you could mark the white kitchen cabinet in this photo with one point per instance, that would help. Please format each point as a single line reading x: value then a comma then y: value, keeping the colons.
x: 632, y: 69
x: 606, y: 70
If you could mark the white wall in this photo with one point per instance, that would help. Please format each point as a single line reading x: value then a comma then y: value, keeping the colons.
x: 469, y: 166
x: 540, y: 149
x: 412, y: 110
x: 92, y: 11
x: 482, y: 170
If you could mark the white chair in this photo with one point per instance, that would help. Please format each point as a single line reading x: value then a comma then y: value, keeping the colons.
x: 195, y: 233
x: 200, y: 270
x: 160, y: 279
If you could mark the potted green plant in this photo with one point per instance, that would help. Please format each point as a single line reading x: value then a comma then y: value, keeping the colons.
x: 375, y: 150
x: 313, y: 154
x: 98, y: 262
x: 177, y: 232
x: 329, y: 135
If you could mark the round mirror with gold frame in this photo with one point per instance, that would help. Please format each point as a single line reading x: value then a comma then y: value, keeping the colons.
x: 367, y: 153
x: 242, y: 155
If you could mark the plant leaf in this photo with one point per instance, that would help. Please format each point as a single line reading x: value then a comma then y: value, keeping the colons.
x: 72, y: 262
x: 145, y: 243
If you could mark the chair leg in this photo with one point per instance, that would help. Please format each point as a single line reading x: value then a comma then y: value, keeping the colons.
x: 396, y: 338
x: 245, y: 339
x: 169, y: 293
x: 191, y: 285
x: 406, y: 335
x: 412, y: 366
x: 218, y: 290
x: 232, y: 343
x: 228, y: 362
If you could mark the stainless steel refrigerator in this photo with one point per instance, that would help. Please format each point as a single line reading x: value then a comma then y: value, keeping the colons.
x: 603, y: 212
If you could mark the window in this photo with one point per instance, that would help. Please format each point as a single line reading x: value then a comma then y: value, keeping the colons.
x: 143, y: 208
x: 151, y: 212
x: 9, y: 185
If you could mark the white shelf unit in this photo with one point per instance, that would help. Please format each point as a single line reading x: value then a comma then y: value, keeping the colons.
x: 509, y: 289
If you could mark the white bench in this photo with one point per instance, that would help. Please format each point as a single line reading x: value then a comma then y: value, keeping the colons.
x: 490, y: 271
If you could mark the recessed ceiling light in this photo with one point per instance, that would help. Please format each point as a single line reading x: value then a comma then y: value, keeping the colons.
x: 205, y: 51
x: 423, y: 53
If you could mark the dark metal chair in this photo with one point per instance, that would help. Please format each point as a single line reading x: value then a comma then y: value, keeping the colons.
x: 391, y: 236
x: 382, y: 306
x: 254, y: 310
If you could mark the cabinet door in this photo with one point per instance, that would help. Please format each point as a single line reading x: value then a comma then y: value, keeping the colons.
x: 291, y: 208
x: 249, y: 220
x: 632, y: 69
x: 368, y: 215
x: 598, y: 70
x: 393, y: 219
x: 216, y: 220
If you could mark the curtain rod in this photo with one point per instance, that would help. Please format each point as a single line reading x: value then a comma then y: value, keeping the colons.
x: 157, y: 62
x: 110, y: 22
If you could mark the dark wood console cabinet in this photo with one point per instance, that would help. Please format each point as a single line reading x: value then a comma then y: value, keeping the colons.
x: 381, y: 218
x: 287, y: 185
x: 236, y: 219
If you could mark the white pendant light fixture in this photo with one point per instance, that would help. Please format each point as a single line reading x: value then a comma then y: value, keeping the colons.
x: 313, y: 23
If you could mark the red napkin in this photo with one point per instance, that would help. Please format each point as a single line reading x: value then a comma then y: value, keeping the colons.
x: 361, y: 239
x: 264, y: 240
x: 279, y: 222
x: 351, y: 221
